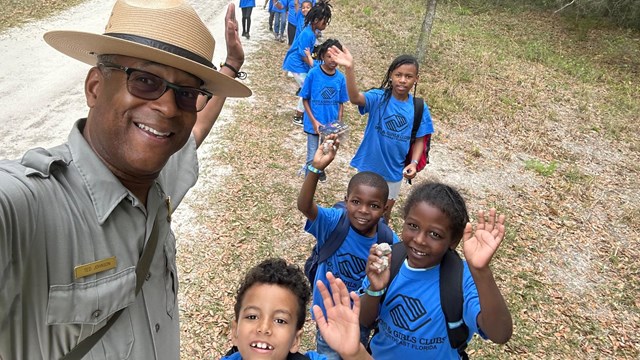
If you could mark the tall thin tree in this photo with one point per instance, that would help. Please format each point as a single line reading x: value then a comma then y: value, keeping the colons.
x: 425, y: 33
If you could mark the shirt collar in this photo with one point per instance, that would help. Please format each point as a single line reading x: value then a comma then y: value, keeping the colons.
x: 105, y: 189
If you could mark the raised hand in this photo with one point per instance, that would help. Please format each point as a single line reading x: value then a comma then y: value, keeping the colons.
x: 479, y: 246
x: 342, y: 57
x: 378, y: 279
x: 326, y: 152
x: 341, y: 327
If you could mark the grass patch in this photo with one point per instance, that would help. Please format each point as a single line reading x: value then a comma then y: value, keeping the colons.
x: 17, y: 12
x: 541, y: 168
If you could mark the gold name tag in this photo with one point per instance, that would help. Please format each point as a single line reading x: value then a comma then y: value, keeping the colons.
x: 95, y: 267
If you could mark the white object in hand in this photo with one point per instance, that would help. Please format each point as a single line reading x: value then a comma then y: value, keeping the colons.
x: 383, y: 263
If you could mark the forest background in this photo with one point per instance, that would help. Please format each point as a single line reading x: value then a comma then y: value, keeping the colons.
x: 536, y: 113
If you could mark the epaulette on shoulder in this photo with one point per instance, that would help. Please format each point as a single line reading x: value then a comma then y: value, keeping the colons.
x: 41, y: 162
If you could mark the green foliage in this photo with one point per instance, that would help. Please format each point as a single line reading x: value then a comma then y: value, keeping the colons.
x: 540, y: 167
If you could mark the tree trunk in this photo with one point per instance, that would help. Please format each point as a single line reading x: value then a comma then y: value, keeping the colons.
x: 425, y: 33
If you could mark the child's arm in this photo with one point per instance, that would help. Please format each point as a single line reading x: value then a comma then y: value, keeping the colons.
x: 306, y: 205
x: 344, y: 58
x: 410, y: 171
x: 307, y: 58
x: 340, y: 329
x: 307, y: 53
x: 378, y: 282
x: 340, y: 111
x: 494, y: 318
x: 314, y: 122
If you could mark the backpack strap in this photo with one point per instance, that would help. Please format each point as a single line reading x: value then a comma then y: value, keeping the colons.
x: 418, y: 109
x: 335, y: 239
x: 385, y: 234
x: 297, y: 356
x: 451, y: 300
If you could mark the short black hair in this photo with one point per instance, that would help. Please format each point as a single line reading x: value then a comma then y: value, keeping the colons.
x: 370, y: 179
x: 321, y: 10
x: 322, y: 49
x: 445, y: 198
x: 276, y: 271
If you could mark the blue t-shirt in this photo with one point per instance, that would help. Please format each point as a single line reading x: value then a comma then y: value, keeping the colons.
x: 293, y: 15
x: 349, y: 261
x: 247, y: 3
x: 293, y: 60
x: 325, y: 94
x: 411, y: 322
x: 311, y: 354
x: 387, y: 135
x: 300, y: 26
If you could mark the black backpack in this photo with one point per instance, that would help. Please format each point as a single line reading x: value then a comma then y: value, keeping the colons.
x: 335, y: 240
x: 291, y: 356
x: 451, y: 299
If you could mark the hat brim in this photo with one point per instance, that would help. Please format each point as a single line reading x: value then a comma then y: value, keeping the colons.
x: 87, y: 46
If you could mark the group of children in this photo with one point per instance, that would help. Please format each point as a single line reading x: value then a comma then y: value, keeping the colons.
x: 359, y: 288
x: 286, y: 14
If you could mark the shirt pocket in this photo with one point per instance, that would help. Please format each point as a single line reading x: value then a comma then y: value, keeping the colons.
x: 89, y: 304
x: 171, y: 274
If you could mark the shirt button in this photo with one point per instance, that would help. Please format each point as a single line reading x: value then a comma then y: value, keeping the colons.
x: 148, y: 276
x: 96, y: 314
x: 157, y: 327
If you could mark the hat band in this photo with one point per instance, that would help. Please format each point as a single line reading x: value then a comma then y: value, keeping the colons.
x: 165, y: 47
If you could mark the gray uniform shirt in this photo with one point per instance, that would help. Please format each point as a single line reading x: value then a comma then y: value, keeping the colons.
x: 60, y: 208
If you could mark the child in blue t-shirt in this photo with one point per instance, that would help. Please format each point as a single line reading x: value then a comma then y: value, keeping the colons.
x: 387, y: 136
x: 323, y: 94
x: 247, y: 8
x: 305, y: 6
x: 410, y: 320
x: 272, y: 14
x: 295, y: 60
x: 270, y: 312
x: 280, y: 18
x: 365, y: 203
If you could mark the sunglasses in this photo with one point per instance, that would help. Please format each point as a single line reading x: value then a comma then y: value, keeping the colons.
x: 148, y: 86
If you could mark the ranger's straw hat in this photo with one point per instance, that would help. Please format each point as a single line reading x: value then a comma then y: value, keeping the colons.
x: 167, y: 32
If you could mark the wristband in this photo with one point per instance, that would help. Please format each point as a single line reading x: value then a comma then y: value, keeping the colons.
x: 314, y: 170
x: 236, y: 73
x: 414, y: 162
x: 375, y: 293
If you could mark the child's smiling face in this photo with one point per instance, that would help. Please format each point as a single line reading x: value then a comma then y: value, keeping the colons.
x: 266, y: 325
x: 427, y: 236
x: 305, y: 7
x: 365, y: 206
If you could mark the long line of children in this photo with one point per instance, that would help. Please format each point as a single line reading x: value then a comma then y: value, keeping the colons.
x: 401, y: 303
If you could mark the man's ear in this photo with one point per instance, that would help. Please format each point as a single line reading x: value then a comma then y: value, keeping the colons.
x: 234, y: 333
x: 92, y: 86
x: 295, y: 345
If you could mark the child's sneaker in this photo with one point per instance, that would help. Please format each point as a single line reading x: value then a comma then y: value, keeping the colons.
x: 297, y: 120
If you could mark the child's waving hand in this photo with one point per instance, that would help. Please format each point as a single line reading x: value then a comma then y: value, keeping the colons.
x: 479, y: 248
x: 342, y: 57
